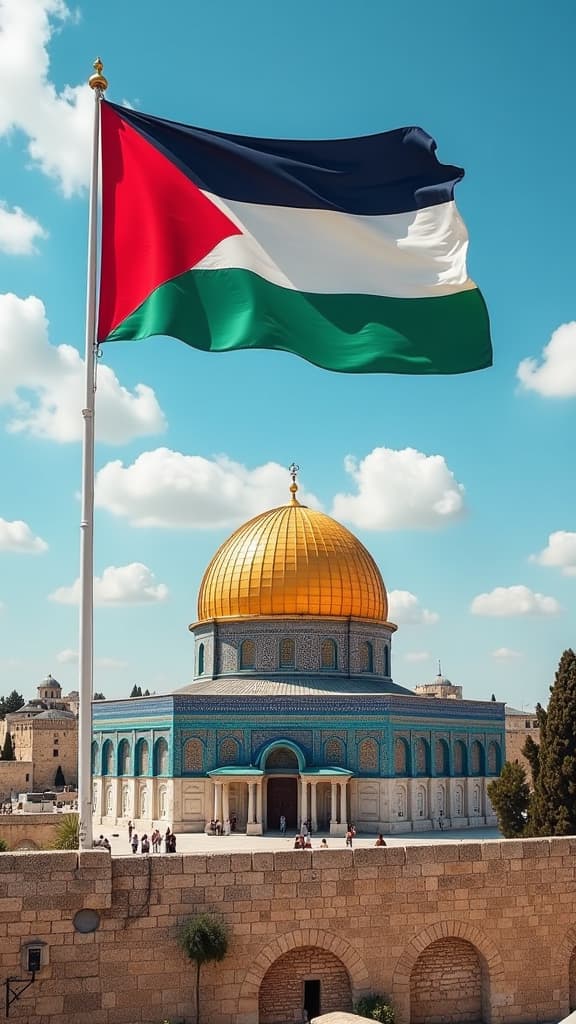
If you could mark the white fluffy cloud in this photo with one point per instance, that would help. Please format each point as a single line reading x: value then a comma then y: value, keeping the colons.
x: 17, y: 536
x: 503, y: 602
x: 560, y: 552
x: 43, y: 384
x: 400, y: 490
x: 123, y: 584
x: 168, y: 489
x: 555, y: 375
x: 70, y: 657
x: 57, y: 124
x: 506, y: 654
x: 416, y: 657
x: 18, y: 231
x: 405, y: 609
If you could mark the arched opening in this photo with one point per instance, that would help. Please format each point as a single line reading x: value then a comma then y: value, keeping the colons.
x: 107, y: 758
x: 229, y: 751
x: 368, y: 757
x: 386, y: 660
x: 287, y: 654
x: 477, y: 758
x: 460, y: 758
x: 366, y: 657
x: 95, y: 752
x: 141, y: 760
x: 494, y: 759
x: 200, y: 659
x: 247, y: 654
x: 193, y: 756
x: 328, y: 655
x: 334, y: 753
x: 124, y: 758
x: 442, y: 759
x: 161, y: 757
x: 449, y: 981
x: 401, y: 756
x: 282, y: 763
x: 422, y: 757
x: 307, y: 980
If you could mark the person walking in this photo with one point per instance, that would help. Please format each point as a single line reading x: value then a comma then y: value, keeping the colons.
x: 349, y: 837
x: 167, y: 840
x: 134, y: 842
x: 145, y: 844
x: 283, y: 824
x: 130, y: 831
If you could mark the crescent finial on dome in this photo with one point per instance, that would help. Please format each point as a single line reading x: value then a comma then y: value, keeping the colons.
x: 294, y: 469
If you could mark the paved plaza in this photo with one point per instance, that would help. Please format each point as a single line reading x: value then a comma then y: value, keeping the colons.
x: 272, y: 842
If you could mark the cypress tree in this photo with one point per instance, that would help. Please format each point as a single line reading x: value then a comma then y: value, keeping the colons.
x: 510, y: 797
x: 136, y: 691
x: 8, y: 749
x: 13, y: 702
x: 553, y: 805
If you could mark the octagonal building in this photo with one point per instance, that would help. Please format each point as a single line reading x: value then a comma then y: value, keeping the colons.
x: 292, y: 712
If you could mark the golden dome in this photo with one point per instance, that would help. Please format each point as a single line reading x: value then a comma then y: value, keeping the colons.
x: 292, y: 560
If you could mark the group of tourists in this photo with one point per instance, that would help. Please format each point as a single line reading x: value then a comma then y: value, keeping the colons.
x: 155, y: 839
x: 218, y: 828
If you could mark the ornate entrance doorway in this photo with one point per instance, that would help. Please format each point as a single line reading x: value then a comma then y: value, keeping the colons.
x: 282, y: 798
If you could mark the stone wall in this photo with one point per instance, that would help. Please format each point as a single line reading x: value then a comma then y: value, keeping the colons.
x: 15, y: 777
x: 28, y: 831
x: 517, y: 732
x: 396, y: 920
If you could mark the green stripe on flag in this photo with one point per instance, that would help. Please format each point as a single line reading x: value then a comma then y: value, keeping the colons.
x: 225, y: 310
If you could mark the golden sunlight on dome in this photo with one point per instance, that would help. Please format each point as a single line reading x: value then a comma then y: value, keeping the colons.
x: 292, y: 560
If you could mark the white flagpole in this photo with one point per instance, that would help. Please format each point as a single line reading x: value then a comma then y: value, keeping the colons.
x: 98, y: 83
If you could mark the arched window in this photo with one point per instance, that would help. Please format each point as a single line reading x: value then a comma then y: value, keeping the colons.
x: 401, y: 802
x: 107, y: 758
x: 200, y: 659
x: 124, y: 758
x: 247, y: 654
x: 366, y: 657
x: 401, y: 759
x: 95, y: 752
x: 193, y: 758
x: 386, y: 660
x: 422, y: 757
x: 161, y: 757
x: 334, y: 753
x: 368, y: 756
x: 228, y: 752
x: 460, y: 758
x: 287, y: 653
x: 477, y: 758
x: 328, y: 659
x: 494, y: 761
x: 458, y: 801
x: 142, y: 759
x: 421, y: 803
x: 441, y: 758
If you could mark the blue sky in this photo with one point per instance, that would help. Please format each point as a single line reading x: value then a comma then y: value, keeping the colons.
x: 478, y: 466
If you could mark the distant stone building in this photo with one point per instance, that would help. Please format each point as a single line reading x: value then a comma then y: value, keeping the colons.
x: 439, y: 687
x: 44, y: 737
x: 520, y: 725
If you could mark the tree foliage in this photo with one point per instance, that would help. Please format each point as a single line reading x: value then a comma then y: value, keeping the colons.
x: 203, y: 938
x: 13, y: 702
x: 375, y: 1007
x: 553, y: 805
x: 8, y: 749
x: 3, y: 846
x: 136, y: 691
x: 510, y: 798
x: 98, y: 696
x: 67, y: 833
x: 531, y: 751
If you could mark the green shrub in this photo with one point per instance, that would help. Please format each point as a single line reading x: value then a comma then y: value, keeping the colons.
x: 67, y: 833
x: 3, y: 846
x: 375, y: 1007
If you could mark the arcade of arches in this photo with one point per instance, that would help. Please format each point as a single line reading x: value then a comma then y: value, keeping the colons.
x: 307, y: 979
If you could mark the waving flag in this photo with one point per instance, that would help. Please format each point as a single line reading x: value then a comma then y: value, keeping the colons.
x: 348, y: 252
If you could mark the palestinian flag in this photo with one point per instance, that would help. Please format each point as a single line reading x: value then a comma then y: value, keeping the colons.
x: 348, y: 252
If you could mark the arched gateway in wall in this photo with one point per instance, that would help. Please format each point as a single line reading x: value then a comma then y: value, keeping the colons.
x: 276, y: 981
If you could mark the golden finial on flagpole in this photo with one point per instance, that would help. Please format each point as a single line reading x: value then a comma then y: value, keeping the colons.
x: 98, y: 81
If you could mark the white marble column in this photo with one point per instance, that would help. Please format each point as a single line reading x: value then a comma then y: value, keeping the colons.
x: 225, y: 801
x: 259, y: 803
x: 304, y: 801
x: 218, y: 801
x: 250, y: 803
x: 333, y: 804
x: 343, y: 810
x: 314, y: 812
